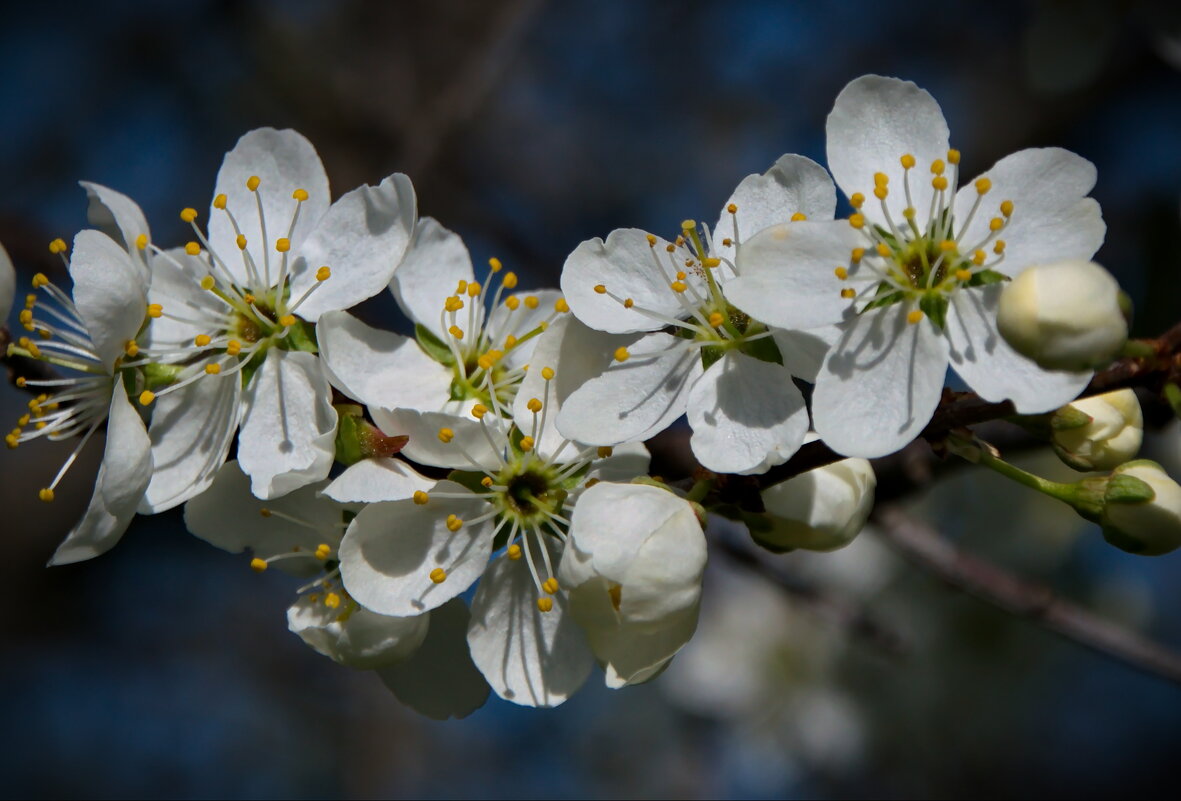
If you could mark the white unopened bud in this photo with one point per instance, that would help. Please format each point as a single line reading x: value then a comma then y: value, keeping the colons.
x: 1142, y: 509
x: 1098, y: 433
x: 820, y: 510
x: 1064, y: 316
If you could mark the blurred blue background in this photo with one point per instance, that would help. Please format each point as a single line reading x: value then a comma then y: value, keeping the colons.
x: 164, y: 668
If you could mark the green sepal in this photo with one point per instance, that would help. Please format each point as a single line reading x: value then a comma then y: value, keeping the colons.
x: 468, y: 479
x: 160, y: 375
x: 986, y: 277
x: 1173, y: 396
x: 433, y: 346
x: 1069, y: 417
x: 934, y: 305
x: 710, y: 355
x: 348, y: 434
x: 765, y: 350
x: 1123, y: 488
x: 250, y: 369
x: 301, y: 337
x: 883, y: 299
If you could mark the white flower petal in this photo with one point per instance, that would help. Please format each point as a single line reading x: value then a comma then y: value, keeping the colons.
x: 530, y: 657
x: 391, y: 549
x: 635, y: 654
x: 1053, y: 219
x: 425, y: 447
x: 378, y: 479
x: 880, y: 384
x: 993, y: 369
x: 874, y: 122
x: 792, y: 185
x: 629, y: 267
x: 361, y: 238
x: 175, y: 285
x: 803, y: 352
x: 440, y: 680
x: 380, y: 368
x: 283, y: 161
x: 288, y: 430
x: 7, y: 283
x: 627, y: 461
x: 229, y: 516
x: 434, y: 264
x: 503, y: 321
x: 122, y: 478
x: 786, y: 274
x: 108, y: 293
x: 191, y: 430
x: 363, y: 639
x: 120, y: 218
x: 635, y: 399
x: 746, y: 415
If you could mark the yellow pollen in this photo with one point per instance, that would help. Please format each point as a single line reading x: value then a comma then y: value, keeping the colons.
x: 939, y: 182
x: 287, y: 320
x: 219, y: 202
x: 847, y: 294
x: 473, y: 289
x: 907, y: 161
x: 857, y: 200
x: 937, y: 167
x: 628, y: 303
x: 798, y: 216
x: 241, y: 241
x: 841, y: 273
x: 604, y: 451
x: 983, y: 185
x: 21, y: 382
x: 711, y: 262
x: 201, y: 340
x: 510, y: 341
x: 487, y: 360
x: 510, y: 280
x: 233, y: 347
x: 953, y: 156
x: 495, y: 264
x: 455, y: 331
x: 908, y: 212
x: 57, y: 246
x: 527, y: 444
x: 30, y: 301
x: 252, y: 183
x: 621, y: 354
x: 208, y: 282
x: 550, y: 585
x: 454, y: 523
x: 561, y: 306
x: 282, y: 244
x: 880, y: 192
x: 452, y: 304
x: 421, y: 497
x: 999, y: 247
x: 193, y: 249
x: 880, y: 179
x: 461, y: 287
x: 670, y: 248
x: 688, y: 225
x: 678, y: 286
x: 264, y: 512
x: 947, y: 245
x: 681, y: 275
x: 547, y: 373
x: 732, y: 208
x: 213, y: 368
x: 323, y: 551
x: 324, y: 273
x: 716, y: 319
x: 479, y: 410
x: 914, y: 316
x: 155, y: 310
x: 996, y: 224
x: 446, y: 434
x: 857, y: 255
x: 883, y: 249
x: 39, y: 280
x: 531, y: 301
x: 30, y: 346
x: 146, y: 397
x: 188, y: 215
x: 258, y: 565
x: 486, y: 481
x: 141, y: 241
x: 963, y: 275
x: 1007, y: 208
x: 534, y: 405
x: 513, y: 552
x: 332, y: 600
x: 857, y: 220
x: 45, y: 494
x: 513, y: 302
x: 602, y: 290
x: 545, y: 604
x: 978, y: 258
x: 26, y: 318
x: 300, y: 194
x: 651, y: 241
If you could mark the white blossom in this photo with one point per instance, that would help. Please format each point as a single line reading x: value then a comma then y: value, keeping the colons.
x: 1147, y: 526
x: 1100, y: 432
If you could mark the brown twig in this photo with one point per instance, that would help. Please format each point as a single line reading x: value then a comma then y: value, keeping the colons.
x: 925, y: 548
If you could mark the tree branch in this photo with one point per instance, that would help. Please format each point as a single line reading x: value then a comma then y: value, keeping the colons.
x: 925, y: 548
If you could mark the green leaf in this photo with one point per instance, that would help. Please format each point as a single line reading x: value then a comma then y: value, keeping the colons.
x: 934, y: 305
x: 433, y: 346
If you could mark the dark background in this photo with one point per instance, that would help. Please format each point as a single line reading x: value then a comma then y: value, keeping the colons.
x: 164, y: 667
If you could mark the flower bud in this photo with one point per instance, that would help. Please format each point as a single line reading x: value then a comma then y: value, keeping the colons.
x: 1064, y: 316
x: 1098, y: 433
x: 1142, y: 509
x: 820, y: 510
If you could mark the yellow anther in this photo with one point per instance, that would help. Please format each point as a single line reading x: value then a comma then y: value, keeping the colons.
x: 300, y: 194
x: 711, y: 262
x: 446, y: 434
x: 264, y: 511
x: 716, y: 319
x: 883, y: 249
x: 670, y: 247
x: 30, y: 346
x: 545, y: 604
x: 39, y: 280
x: 561, y: 306
x: 527, y: 444
x: 621, y: 354
x: 688, y: 225
x: 996, y: 224
x: 40, y: 425
x: 939, y: 182
x: 208, y: 282
x: 332, y: 600
x: 323, y: 551
x: 727, y: 242
x: 45, y: 494
x: 146, y: 397
x: 651, y: 241
x: 455, y: 331
x: 454, y: 523
x: 495, y: 264
x: 240, y: 240
x: 799, y: 215
x: 681, y: 275
x: 547, y: 373
x: 841, y: 273
x: 479, y: 410
x: 510, y: 280
x: 11, y: 441
x: 978, y: 258
x: 513, y: 552
x: 21, y: 383
x: 604, y: 451
x: 937, y: 167
x: 421, y: 497
x: 963, y: 274
x: 848, y: 294
x: 534, y: 405
x: 531, y: 301
x: 550, y: 585
x: 30, y: 301
x: 914, y: 316
x: 213, y: 368
x: 1007, y: 208
x: 880, y: 179
x: 490, y: 358
x: 880, y: 192
x: 908, y: 212
x: 953, y: 156
x: 857, y: 220
x: 486, y: 482
x: 57, y: 246
x: 628, y: 303
x: 907, y: 161
x: 324, y: 273
x: 188, y: 215
x: 452, y: 304
x: 201, y: 340
x: 857, y: 200
x: 510, y: 341
x: 287, y: 320
x: 678, y: 286
x: 999, y: 247
x: 602, y: 290
x: 947, y: 245
x: 233, y: 347
x: 219, y: 202
x: 473, y: 289
x: 258, y: 565
x: 282, y: 244
x: 155, y: 310
x: 983, y: 185
x: 461, y: 287
x: 26, y: 318
x: 193, y: 248
x: 857, y: 255
x: 252, y: 183
x: 513, y: 302
x: 141, y: 241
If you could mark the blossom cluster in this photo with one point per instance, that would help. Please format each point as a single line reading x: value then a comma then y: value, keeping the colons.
x: 470, y: 508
